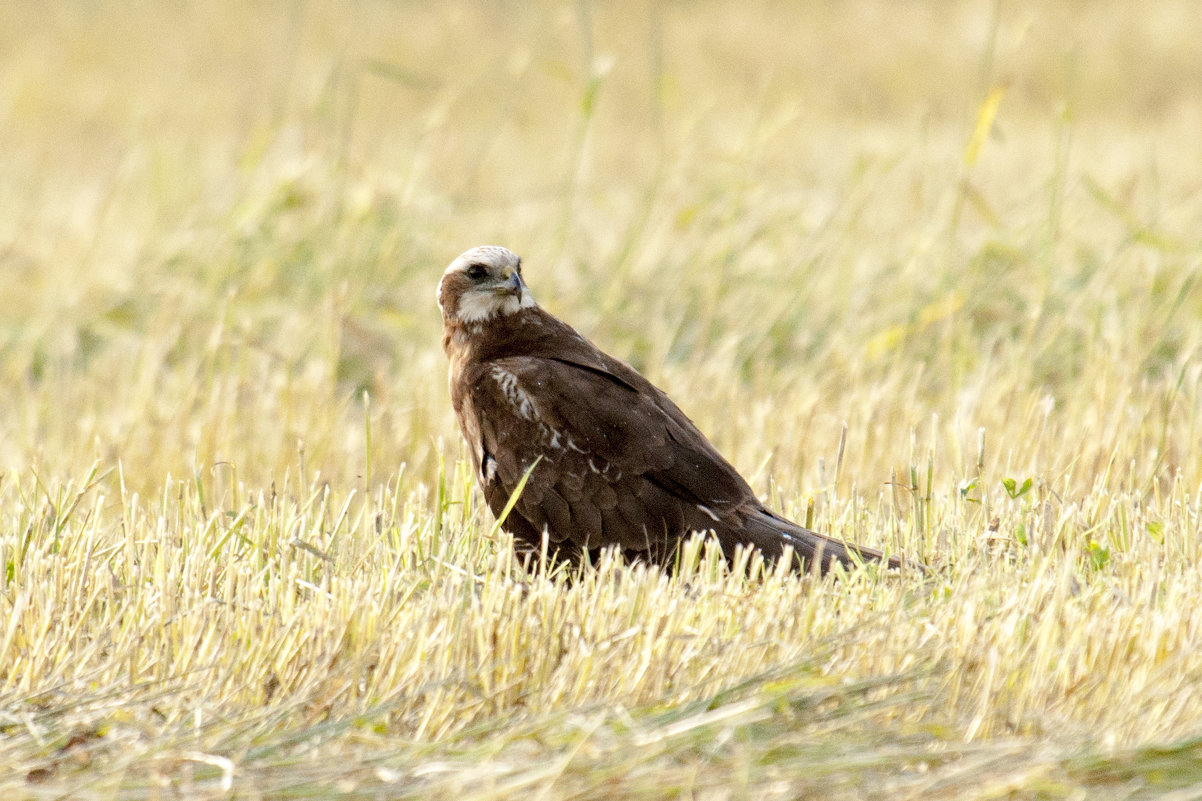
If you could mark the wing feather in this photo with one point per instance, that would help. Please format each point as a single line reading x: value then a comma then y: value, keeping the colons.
x: 558, y: 514
x: 617, y: 461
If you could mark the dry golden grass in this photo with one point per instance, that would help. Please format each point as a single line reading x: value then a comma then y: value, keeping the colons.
x: 926, y: 272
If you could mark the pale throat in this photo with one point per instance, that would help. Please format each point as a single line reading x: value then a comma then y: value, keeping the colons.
x: 476, y: 307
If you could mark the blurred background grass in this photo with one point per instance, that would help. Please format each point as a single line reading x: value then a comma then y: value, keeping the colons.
x: 220, y: 225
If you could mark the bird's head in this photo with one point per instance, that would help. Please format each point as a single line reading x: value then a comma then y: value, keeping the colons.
x: 483, y: 283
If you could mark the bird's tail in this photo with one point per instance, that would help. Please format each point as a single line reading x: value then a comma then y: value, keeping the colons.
x: 771, y: 533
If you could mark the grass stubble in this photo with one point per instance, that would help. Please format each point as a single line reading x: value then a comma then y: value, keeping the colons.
x: 940, y: 300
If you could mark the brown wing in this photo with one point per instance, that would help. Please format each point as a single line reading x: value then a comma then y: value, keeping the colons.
x: 617, y: 462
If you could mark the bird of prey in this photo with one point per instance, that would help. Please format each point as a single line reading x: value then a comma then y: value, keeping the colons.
x: 608, y: 459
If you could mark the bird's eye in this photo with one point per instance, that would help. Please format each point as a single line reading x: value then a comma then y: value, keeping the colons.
x: 476, y: 272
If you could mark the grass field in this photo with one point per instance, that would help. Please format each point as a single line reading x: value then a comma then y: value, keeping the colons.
x: 927, y: 273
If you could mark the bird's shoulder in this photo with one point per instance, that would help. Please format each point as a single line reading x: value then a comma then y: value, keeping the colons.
x: 562, y: 396
x: 536, y: 347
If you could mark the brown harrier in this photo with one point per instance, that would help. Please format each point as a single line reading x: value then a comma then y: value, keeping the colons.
x: 611, y: 459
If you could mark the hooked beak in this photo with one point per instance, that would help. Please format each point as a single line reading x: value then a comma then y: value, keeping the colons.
x: 512, y: 286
